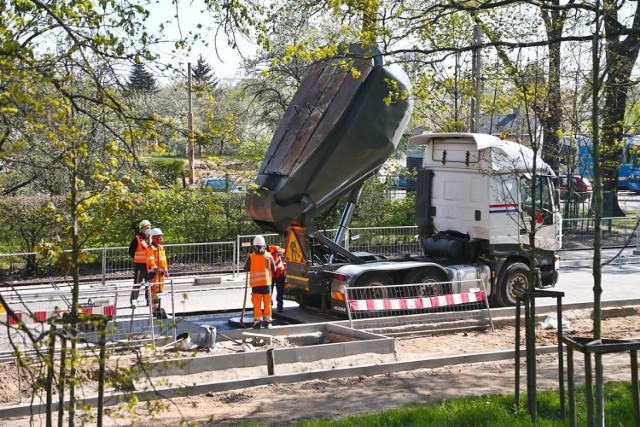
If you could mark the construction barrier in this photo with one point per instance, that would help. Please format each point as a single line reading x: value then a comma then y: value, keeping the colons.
x: 418, y: 303
x: 129, y: 323
x: 410, y: 308
x: 32, y: 312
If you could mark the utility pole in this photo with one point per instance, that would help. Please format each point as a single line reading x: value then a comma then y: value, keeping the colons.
x: 190, y: 150
x: 477, y: 80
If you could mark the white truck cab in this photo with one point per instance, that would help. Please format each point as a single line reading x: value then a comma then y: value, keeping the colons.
x: 476, y: 197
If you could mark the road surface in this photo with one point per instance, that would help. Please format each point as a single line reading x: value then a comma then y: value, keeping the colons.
x: 619, y: 282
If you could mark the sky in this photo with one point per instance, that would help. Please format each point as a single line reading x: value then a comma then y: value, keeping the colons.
x: 225, y: 62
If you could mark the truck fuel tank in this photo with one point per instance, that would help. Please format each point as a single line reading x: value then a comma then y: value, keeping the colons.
x: 466, y: 277
x: 342, y: 124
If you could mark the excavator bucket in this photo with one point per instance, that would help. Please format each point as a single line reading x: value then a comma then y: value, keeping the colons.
x: 340, y: 127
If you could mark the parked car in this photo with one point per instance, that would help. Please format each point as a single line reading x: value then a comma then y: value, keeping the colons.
x: 219, y: 185
x: 580, y: 187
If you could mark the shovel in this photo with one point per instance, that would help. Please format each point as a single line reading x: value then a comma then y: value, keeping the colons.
x: 246, y: 347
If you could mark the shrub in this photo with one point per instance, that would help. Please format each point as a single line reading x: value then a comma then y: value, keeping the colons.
x: 167, y: 171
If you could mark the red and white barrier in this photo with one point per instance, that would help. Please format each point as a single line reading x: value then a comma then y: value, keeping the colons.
x: 36, y: 311
x: 416, y: 303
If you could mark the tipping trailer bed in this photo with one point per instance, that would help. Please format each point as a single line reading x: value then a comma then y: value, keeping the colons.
x: 336, y: 132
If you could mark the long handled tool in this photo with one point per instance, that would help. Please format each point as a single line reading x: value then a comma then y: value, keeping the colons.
x: 244, y: 301
x: 133, y: 311
x: 246, y: 347
x: 134, y: 304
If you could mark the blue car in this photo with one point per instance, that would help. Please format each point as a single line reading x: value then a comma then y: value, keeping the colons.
x: 219, y: 185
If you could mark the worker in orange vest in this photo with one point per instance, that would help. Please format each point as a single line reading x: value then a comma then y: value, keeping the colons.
x: 260, y: 268
x: 157, y: 266
x: 279, y: 276
x: 138, y: 251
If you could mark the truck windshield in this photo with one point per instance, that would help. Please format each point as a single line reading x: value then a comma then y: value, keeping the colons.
x: 543, y: 194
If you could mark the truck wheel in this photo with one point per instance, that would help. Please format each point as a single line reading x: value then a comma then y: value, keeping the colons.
x: 432, y: 280
x: 516, y: 276
x: 377, y: 286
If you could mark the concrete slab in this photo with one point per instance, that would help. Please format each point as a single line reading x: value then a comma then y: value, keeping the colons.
x: 311, y: 347
x: 207, y: 280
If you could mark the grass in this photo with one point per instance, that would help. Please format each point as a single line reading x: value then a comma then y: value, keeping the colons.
x: 493, y: 410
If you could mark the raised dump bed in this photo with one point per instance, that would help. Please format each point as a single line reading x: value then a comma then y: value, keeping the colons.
x: 341, y: 125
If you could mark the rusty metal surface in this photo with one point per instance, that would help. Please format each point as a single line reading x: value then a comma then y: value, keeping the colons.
x: 336, y: 132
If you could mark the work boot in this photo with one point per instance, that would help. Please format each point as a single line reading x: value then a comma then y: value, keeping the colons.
x: 269, y: 325
x: 257, y: 325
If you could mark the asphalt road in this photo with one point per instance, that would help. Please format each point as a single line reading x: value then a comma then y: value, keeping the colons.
x: 629, y: 201
x: 620, y: 281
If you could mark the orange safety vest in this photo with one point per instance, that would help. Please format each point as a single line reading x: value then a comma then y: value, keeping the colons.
x: 260, y: 266
x: 156, y: 257
x: 140, y: 256
x: 277, y: 259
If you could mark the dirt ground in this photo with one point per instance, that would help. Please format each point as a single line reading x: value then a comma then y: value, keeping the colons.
x: 285, y: 404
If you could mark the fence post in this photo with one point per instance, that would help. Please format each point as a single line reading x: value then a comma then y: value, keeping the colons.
x: 236, y: 261
x: 637, y: 249
x: 173, y: 311
x: 104, y: 266
x: 236, y: 258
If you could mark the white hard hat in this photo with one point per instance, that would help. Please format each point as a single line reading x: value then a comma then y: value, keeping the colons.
x: 155, y: 232
x: 144, y: 223
x: 258, y: 241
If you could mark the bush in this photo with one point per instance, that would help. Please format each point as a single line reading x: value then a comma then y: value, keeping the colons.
x: 188, y: 216
x: 167, y: 171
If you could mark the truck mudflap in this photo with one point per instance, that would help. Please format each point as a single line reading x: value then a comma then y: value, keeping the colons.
x: 337, y: 115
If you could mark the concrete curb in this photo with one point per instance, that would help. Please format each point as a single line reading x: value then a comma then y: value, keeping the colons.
x: 38, y: 410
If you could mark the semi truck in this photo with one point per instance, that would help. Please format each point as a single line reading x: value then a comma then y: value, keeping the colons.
x: 479, y: 199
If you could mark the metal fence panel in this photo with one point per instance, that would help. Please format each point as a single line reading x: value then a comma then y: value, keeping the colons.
x: 244, y: 243
x: 190, y: 259
x: 197, y: 259
x: 131, y: 323
x: 419, y: 307
x: 34, y: 311
x: 114, y: 263
x: 577, y: 233
x: 387, y: 241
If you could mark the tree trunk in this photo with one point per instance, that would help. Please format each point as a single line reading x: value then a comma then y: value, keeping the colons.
x: 621, y: 56
x: 551, y: 121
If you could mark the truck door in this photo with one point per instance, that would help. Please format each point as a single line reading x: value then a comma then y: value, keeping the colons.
x: 539, y: 205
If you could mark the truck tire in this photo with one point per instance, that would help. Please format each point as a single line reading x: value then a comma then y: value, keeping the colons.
x: 515, y: 276
x: 430, y: 277
x: 377, y: 286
